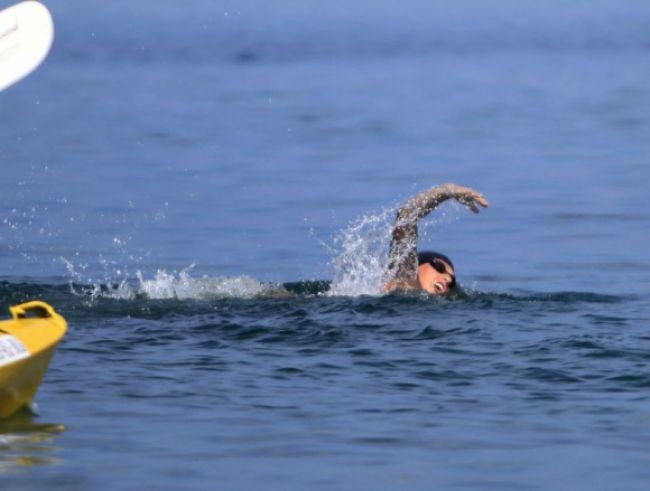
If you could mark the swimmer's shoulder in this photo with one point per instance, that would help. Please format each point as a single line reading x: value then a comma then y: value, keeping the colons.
x: 397, y: 285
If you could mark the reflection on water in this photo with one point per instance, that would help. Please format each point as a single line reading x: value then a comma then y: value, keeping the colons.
x: 26, y: 443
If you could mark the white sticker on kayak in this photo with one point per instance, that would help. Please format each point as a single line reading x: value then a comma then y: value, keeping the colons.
x: 11, y: 350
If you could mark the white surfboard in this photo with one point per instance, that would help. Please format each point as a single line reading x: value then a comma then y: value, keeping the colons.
x: 26, y: 34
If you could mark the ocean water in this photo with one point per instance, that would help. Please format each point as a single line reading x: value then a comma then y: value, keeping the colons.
x: 205, y: 191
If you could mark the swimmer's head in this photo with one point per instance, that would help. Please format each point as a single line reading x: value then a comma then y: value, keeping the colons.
x: 436, y: 274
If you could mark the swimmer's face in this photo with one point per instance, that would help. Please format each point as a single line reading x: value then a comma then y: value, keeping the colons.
x: 438, y: 279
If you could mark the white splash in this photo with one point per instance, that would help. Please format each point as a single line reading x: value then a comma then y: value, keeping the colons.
x: 361, y: 264
x: 175, y: 285
x: 183, y: 286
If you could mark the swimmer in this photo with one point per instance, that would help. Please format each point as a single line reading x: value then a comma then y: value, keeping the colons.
x: 431, y: 272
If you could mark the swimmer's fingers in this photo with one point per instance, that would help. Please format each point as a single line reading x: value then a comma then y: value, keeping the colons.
x: 472, y: 207
x: 480, y: 199
x: 472, y: 200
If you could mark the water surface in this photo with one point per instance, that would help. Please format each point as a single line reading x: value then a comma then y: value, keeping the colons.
x: 205, y: 192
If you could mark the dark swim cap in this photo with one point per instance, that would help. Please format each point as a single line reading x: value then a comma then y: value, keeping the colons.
x: 428, y: 256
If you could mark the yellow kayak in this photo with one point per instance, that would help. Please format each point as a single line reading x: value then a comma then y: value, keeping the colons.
x: 27, y: 343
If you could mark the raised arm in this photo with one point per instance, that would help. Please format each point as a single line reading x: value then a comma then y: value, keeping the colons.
x: 403, y: 254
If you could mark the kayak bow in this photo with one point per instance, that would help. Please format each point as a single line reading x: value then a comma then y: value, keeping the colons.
x: 27, y: 343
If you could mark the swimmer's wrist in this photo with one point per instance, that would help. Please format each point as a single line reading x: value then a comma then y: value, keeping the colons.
x: 446, y: 191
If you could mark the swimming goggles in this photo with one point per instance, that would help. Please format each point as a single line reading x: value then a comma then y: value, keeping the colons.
x: 441, y: 268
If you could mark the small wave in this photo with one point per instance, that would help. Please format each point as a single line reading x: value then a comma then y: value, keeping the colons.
x: 563, y: 297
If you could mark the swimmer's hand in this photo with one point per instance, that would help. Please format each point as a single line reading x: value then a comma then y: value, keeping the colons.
x: 466, y: 196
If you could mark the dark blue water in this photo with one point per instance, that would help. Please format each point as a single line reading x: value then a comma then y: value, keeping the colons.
x: 205, y: 190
